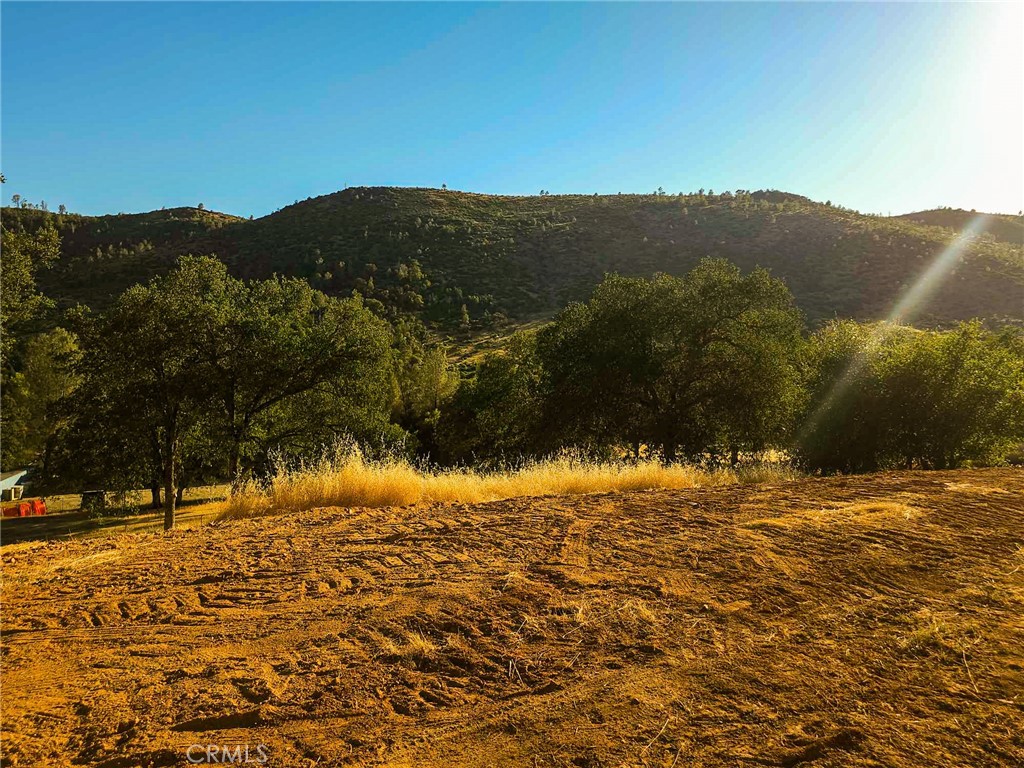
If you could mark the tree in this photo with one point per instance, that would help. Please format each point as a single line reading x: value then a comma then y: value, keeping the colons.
x: 30, y: 397
x: 21, y: 305
x: 142, y: 364
x: 198, y: 373
x: 842, y: 428
x: 888, y: 396
x: 277, y: 339
x: 424, y: 383
x: 496, y: 415
x: 702, y: 363
x: 951, y: 397
x: 24, y: 255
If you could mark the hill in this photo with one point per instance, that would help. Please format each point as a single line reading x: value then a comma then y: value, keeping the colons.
x: 103, y: 255
x: 434, y: 252
x: 1008, y: 229
x: 842, y: 621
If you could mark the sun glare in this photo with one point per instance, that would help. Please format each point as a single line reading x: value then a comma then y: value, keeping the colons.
x: 936, y: 272
x: 902, y: 312
x: 995, y: 110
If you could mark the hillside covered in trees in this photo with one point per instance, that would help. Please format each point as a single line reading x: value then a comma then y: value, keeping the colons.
x: 1009, y: 229
x: 197, y: 375
x: 469, y: 260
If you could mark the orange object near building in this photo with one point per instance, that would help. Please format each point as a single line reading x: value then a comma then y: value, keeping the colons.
x: 24, y: 508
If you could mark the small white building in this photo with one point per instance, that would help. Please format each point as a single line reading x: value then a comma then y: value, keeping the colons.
x: 10, y: 488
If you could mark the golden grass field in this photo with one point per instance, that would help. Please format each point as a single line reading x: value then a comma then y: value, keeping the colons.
x: 348, y: 479
x: 844, y: 621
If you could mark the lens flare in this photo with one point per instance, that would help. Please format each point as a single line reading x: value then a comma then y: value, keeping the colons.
x: 926, y: 284
x: 903, y: 311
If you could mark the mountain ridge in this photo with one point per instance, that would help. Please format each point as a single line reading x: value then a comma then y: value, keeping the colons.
x: 447, y: 255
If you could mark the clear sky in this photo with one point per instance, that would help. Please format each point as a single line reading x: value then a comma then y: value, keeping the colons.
x: 246, y: 107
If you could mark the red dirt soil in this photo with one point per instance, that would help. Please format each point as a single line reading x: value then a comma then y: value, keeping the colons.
x: 849, y: 621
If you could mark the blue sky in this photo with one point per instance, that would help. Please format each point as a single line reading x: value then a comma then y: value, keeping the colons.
x: 246, y: 107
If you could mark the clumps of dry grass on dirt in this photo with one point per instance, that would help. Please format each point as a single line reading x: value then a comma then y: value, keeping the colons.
x: 942, y: 633
x: 350, y: 479
x: 412, y: 646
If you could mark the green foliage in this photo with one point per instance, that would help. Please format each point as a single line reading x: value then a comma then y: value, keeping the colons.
x: 102, y: 256
x: 430, y: 252
x: 199, y: 373
x: 24, y: 255
x: 703, y: 363
x: 715, y: 363
x: 290, y: 368
x: 30, y: 396
x: 495, y: 416
x: 424, y: 383
x: 218, y: 362
x: 144, y: 385
x: 888, y: 396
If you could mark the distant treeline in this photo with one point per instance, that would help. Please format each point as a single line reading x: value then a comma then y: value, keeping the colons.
x: 200, y: 376
x: 716, y: 364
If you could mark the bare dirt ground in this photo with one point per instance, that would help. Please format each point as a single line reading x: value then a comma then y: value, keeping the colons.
x: 853, y: 621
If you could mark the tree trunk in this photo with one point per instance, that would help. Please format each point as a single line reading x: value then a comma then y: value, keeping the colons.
x: 169, y: 491
x: 157, y: 458
x: 734, y: 456
x: 236, y: 440
x: 669, y: 447
x: 233, y: 464
x: 180, y: 494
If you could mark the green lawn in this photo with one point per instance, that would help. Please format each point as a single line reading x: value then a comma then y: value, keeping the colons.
x: 65, y: 518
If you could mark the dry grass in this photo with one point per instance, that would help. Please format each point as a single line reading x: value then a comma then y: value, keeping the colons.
x: 935, y: 632
x: 767, y: 472
x: 411, y: 645
x: 350, y: 480
x: 875, y: 514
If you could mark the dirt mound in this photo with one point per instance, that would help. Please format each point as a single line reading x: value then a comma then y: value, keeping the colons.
x: 845, y: 621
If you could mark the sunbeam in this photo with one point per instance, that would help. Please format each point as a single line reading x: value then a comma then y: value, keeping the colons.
x: 902, y: 312
x: 932, y: 277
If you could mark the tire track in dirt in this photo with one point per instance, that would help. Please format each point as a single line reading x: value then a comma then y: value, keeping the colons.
x: 840, y: 621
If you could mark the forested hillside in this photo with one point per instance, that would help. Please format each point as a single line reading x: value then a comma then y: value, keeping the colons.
x: 194, y: 375
x: 462, y: 259
x: 1009, y: 229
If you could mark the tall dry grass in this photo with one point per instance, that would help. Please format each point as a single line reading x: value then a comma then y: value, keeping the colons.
x: 349, y: 479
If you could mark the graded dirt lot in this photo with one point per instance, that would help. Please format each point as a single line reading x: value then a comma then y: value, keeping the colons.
x: 853, y: 621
